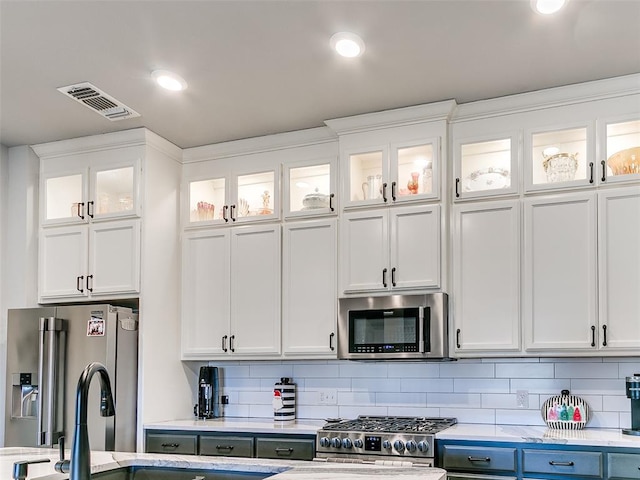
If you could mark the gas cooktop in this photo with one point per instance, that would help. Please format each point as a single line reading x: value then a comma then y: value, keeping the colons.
x: 392, y: 424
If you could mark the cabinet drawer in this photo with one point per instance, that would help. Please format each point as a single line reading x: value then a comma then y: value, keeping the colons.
x: 167, y: 443
x: 478, y: 458
x: 226, y: 446
x: 623, y: 466
x: 293, y: 449
x: 562, y: 462
x: 472, y: 476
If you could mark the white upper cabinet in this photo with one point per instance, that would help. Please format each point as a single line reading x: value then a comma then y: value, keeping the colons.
x: 618, y: 150
x: 392, y: 157
x: 87, y: 186
x: 619, y: 269
x: 310, y: 187
x: 390, y: 249
x: 486, y: 290
x: 309, y: 288
x: 220, y: 195
x: 486, y: 165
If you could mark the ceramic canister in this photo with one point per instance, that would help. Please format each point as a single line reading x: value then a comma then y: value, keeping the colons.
x: 284, y: 400
x: 565, y: 412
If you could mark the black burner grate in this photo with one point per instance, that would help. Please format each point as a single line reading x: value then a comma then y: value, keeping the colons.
x: 392, y: 424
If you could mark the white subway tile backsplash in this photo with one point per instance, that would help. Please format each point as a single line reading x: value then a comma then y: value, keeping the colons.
x: 467, y: 370
x: 401, y: 399
x: 415, y: 370
x: 524, y: 370
x: 462, y: 400
x: 473, y: 385
x: 375, y: 384
x: 586, y: 370
x: 586, y: 386
x: 472, y: 390
x: 366, y: 370
x: 426, y: 385
x: 519, y: 417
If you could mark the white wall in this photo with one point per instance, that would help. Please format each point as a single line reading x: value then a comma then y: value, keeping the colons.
x: 19, y: 177
x: 473, y: 391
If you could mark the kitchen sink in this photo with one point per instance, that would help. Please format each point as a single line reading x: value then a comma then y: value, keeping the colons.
x: 161, y: 473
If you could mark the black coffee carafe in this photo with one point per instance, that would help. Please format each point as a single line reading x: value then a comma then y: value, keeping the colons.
x: 208, y: 405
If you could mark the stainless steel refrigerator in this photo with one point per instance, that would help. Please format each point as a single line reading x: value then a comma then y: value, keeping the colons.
x: 47, y: 350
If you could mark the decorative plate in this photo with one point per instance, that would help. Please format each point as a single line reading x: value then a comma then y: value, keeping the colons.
x: 565, y: 412
x: 491, y: 178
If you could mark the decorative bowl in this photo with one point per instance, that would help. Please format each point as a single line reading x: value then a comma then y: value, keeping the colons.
x: 561, y: 167
x: 315, y: 200
x: 625, y: 162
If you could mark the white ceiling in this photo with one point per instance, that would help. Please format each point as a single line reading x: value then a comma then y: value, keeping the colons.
x: 262, y: 67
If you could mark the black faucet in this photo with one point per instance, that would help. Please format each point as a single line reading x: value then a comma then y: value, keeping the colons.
x: 80, y: 464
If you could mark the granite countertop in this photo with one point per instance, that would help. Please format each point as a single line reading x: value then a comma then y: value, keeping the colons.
x: 281, y: 470
x: 597, y: 437
x: 235, y: 424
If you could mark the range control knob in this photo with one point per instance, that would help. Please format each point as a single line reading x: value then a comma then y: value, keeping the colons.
x: 411, y: 446
x: 346, y: 443
x: 423, y: 447
x: 399, y: 445
x: 386, y: 445
x: 358, y: 443
x: 324, y: 442
x: 336, y: 442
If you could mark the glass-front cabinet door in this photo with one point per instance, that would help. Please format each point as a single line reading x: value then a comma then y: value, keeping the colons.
x: 309, y: 188
x: 560, y: 158
x: 114, y: 192
x: 619, y: 151
x: 256, y: 197
x: 367, y: 173
x: 415, y: 170
x: 207, y: 201
x: 63, y: 197
x: 486, y: 166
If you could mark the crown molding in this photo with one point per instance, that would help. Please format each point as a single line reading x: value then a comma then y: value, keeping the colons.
x: 393, y: 118
x: 548, y: 98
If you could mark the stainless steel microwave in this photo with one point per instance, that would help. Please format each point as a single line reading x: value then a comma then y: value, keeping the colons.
x: 394, y: 327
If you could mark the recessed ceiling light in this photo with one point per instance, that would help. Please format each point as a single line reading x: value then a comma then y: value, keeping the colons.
x: 347, y: 44
x: 547, y: 7
x: 169, y: 80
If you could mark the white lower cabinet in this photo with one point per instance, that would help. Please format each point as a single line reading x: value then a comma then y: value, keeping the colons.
x: 390, y: 249
x: 231, y: 292
x: 486, y: 257
x: 309, y: 309
x: 96, y: 261
x: 580, y: 253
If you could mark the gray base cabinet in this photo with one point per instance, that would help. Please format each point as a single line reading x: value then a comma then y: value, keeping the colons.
x: 248, y: 445
x: 469, y: 460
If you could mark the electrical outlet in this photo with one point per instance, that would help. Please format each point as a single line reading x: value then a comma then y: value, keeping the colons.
x: 328, y: 397
x: 522, y: 399
x: 224, y: 399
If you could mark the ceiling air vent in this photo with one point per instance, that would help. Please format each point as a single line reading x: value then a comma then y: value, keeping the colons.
x: 98, y: 101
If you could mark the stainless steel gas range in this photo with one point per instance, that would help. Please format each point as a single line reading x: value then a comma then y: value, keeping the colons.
x: 370, y: 439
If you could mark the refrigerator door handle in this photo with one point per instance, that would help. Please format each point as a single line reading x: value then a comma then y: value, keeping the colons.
x: 40, y: 441
x: 49, y: 349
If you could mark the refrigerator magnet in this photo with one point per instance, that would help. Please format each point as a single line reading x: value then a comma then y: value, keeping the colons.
x: 95, y: 327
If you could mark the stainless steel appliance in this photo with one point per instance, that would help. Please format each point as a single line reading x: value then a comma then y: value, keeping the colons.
x: 369, y: 439
x: 394, y: 327
x: 47, y: 350
x: 633, y: 392
x: 208, y: 405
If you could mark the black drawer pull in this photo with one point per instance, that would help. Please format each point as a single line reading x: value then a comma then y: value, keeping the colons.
x: 224, y: 447
x: 284, y: 451
x: 170, y: 445
x: 560, y: 464
x: 478, y: 459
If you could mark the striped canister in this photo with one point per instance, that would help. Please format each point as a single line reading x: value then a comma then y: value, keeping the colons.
x: 284, y: 400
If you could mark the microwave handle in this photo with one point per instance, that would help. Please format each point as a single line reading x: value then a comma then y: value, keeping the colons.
x: 422, y: 331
